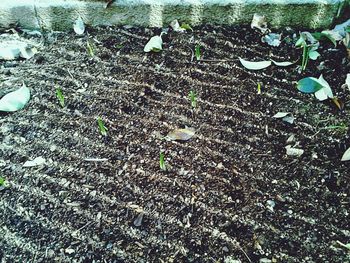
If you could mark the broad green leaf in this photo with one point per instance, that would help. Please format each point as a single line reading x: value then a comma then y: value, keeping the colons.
x: 346, y: 155
x: 313, y: 54
x: 79, y: 27
x: 154, y: 44
x: 15, y: 100
x: 333, y: 36
x: 283, y: 63
x: 300, y: 42
x: 255, y: 65
x: 180, y: 134
x: 309, y: 85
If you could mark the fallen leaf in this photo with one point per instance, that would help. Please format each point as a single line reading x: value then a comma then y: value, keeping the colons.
x: 255, y: 65
x: 79, y: 27
x: 282, y: 63
x: 280, y: 114
x: 325, y: 92
x: 37, y: 161
x: 259, y: 22
x: 272, y: 39
x: 180, y: 134
x: 347, y: 81
x: 154, y: 44
x: 15, y: 100
x: 294, y: 151
x: 14, y: 49
x: 138, y: 220
x: 286, y: 116
x: 338, y: 103
x: 346, y: 155
x: 176, y: 26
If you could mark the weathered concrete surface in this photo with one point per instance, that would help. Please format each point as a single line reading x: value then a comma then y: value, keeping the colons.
x: 60, y: 14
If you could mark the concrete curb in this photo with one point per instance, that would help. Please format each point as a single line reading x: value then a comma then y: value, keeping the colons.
x: 60, y: 14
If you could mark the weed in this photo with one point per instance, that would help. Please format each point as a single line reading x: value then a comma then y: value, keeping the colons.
x: 102, y: 127
x: 259, y: 88
x: 90, y: 48
x: 162, y: 165
x: 186, y: 26
x: 193, y: 97
x: 60, y: 97
x: 309, y: 49
x: 198, y: 52
x: 2, y: 181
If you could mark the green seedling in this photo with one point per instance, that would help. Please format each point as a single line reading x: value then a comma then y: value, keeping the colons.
x: 60, y: 97
x: 162, y: 165
x: 198, y: 52
x: 340, y: 128
x: 102, y: 127
x: 2, y: 181
x: 309, y: 46
x: 193, y: 97
x: 259, y: 88
x: 119, y: 46
x: 90, y: 48
x: 186, y: 26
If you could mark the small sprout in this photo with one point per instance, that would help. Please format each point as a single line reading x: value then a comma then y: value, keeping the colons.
x: 60, y: 97
x: 2, y: 181
x: 162, y: 165
x: 259, y: 88
x: 193, y: 97
x: 90, y: 48
x: 4, y: 184
x: 119, y: 46
x: 102, y: 127
x: 198, y: 52
x: 186, y: 26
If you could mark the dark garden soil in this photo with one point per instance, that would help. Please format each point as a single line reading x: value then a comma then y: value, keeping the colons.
x: 230, y: 193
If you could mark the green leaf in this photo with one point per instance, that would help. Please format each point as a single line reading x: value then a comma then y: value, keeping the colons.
x: 309, y: 85
x: 198, y: 52
x: 186, y: 26
x: 60, y: 96
x: 2, y: 181
x: 15, y: 100
x: 313, y: 54
x: 255, y: 65
x: 102, y: 127
x: 162, y: 165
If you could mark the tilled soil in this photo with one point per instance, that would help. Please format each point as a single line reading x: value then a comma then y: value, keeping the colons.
x: 230, y: 193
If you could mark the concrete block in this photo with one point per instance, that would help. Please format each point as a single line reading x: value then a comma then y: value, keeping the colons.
x: 60, y: 14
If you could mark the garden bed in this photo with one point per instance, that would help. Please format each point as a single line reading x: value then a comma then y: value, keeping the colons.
x: 230, y: 193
